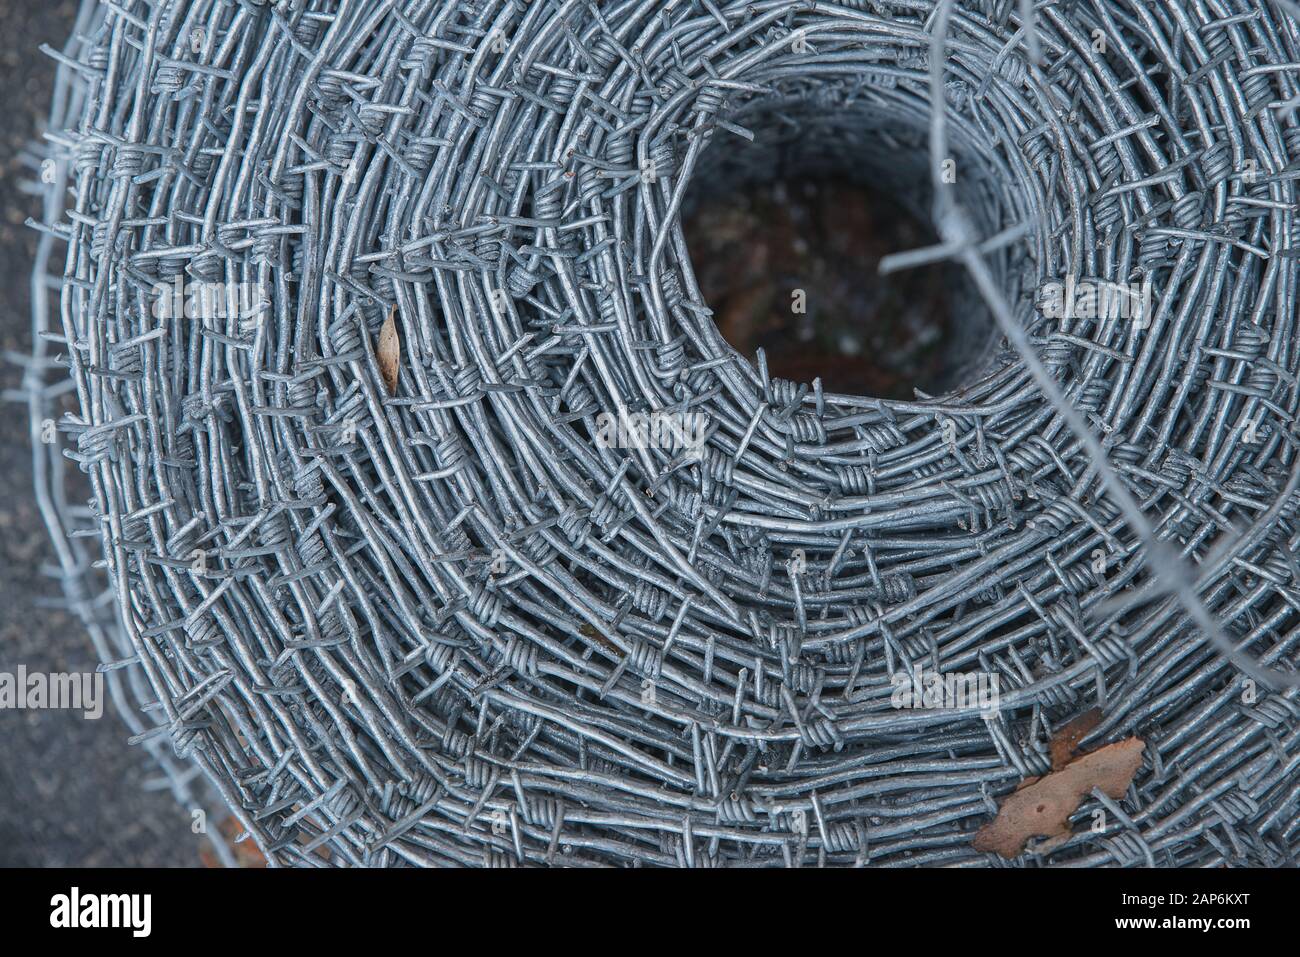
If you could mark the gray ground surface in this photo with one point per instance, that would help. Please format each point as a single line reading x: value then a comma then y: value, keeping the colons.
x: 71, y: 791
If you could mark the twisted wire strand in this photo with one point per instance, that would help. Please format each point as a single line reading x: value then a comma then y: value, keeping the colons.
x: 448, y: 625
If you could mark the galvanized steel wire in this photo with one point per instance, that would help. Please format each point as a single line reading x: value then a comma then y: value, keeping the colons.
x: 446, y: 626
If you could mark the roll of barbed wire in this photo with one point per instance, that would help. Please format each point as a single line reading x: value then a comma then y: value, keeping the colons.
x: 445, y: 528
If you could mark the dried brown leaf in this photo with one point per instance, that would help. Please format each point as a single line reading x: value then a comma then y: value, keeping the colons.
x: 246, y: 852
x: 600, y: 639
x: 1067, y: 737
x: 1044, y: 807
x: 389, y: 351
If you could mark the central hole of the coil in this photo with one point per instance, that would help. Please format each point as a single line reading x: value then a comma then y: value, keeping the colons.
x: 786, y: 235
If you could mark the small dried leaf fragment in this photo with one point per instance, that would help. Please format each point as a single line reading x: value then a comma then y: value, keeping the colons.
x: 590, y: 632
x: 1067, y: 737
x: 1044, y: 807
x: 246, y: 852
x: 389, y: 351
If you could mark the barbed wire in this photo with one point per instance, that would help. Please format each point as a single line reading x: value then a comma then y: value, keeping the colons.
x: 455, y: 623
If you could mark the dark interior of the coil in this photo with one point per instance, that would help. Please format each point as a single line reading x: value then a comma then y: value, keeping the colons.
x: 786, y: 234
